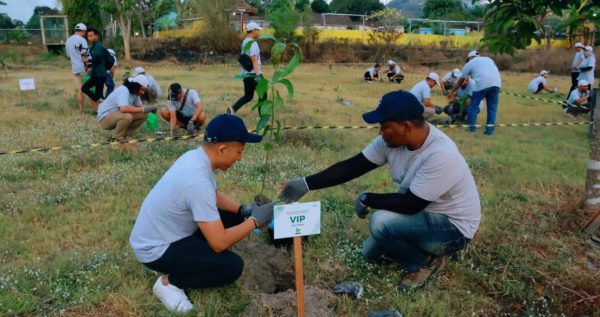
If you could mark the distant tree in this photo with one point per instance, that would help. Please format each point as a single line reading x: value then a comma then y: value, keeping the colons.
x: 301, y: 4
x: 356, y: 6
x: 6, y: 22
x: 216, y: 31
x: 34, y: 21
x: 390, y: 19
x: 124, y: 11
x: 2, y: 3
x: 284, y: 18
x: 87, y: 12
x: 319, y: 6
x: 443, y: 9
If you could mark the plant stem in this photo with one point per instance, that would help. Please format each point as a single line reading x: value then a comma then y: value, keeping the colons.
x: 267, y: 156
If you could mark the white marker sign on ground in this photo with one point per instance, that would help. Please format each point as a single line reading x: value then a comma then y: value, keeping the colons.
x: 27, y: 84
x: 296, y: 220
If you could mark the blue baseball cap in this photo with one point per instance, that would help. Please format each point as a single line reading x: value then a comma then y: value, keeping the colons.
x: 229, y: 128
x: 396, y: 106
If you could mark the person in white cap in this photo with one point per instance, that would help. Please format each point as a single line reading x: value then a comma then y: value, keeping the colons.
x: 538, y: 84
x: 579, y: 99
x: 459, y: 102
x: 588, y: 66
x: 77, y: 51
x: 153, y: 90
x: 422, y: 90
x: 110, y: 74
x: 484, y: 71
x: 449, y: 80
x: 123, y: 112
x: 251, y: 67
x: 394, y: 72
x: 577, y: 61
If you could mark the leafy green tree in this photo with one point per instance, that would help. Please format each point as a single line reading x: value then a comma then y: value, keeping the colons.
x: 87, y: 12
x: 319, y: 6
x: 284, y: 18
x: 34, y: 21
x: 216, y: 30
x: 356, y: 6
x: 301, y: 4
x: 513, y: 24
x: 6, y: 22
x: 443, y: 10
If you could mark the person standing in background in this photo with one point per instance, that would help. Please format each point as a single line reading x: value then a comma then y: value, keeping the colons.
x: 577, y: 61
x: 98, y: 69
x: 77, y: 51
x: 588, y: 66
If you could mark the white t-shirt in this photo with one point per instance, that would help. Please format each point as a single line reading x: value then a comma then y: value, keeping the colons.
x: 589, y: 75
x: 373, y: 72
x: 422, y: 91
x: 190, y: 104
x: 450, y: 80
x: 484, y: 71
x: 468, y: 91
x: 535, y: 83
x: 120, y: 97
x: 435, y: 172
x: 578, y: 56
x: 75, y: 45
x: 186, y: 194
x: 575, y: 95
x: 253, y: 51
x: 396, y: 69
x: 154, y: 85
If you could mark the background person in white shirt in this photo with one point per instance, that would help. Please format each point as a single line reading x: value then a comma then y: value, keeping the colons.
x: 487, y: 79
x: 434, y: 210
x: 153, y: 92
x: 459, y: 102
x: 422, y: 90
x: 373, y: 73
x: 110, y: 74
x: 255, y: 74
x: 538, y: 84
x: 579, y: 99
x: 186, y: 225
x: 78, y: 51
x: 394, y: 72
x: 449, y: 80
x: 123, y: 112
x: 588, y: 66
x: 577, y: 61
x: 185, y: 109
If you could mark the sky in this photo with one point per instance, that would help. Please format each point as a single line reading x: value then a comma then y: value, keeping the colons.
x: 23, y: 9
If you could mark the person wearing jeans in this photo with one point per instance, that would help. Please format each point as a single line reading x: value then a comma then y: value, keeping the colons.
x: 254, y: 75
x: 486, y: 75
x: 186, y: 226
x: 435, y: 210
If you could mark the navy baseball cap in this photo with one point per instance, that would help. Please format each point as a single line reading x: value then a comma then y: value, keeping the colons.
x: 396, y: 106
x: 174, y: 90
x: 229, y: 128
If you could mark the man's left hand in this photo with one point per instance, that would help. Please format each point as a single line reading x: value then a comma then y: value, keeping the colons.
x: 359, y: 207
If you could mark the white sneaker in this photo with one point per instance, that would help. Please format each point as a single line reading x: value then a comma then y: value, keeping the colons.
x: 230, y: 110
x: 172, y: 297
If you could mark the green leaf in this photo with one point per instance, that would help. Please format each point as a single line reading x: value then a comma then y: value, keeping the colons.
x: 292, y: 65
x: 247, y: 46
x: 278, y: 100
x: 277, y: 53
x: 262, y: 123
x: 262, y: 87
x: 242, y: 76
x: 290, y: 88
x: 277, y: 131
x: 259, y: 104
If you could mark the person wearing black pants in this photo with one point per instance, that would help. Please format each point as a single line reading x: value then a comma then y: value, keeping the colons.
x: 98, y: 69
x: 577, y: 61
x: 251, y: 67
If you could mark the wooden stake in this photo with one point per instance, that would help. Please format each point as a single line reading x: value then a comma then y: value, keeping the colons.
x: 592, y: 184
x: 299, y: 274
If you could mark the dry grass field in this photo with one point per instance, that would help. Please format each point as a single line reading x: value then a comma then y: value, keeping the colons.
x: 65, y: 216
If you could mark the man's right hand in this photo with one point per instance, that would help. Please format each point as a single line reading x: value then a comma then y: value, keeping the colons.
x: 293, y: 190
x: 148, y: 109
x: 262, y: 214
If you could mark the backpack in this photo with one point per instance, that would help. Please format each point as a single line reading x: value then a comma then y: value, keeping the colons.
x: 246, y: 62
x: 109, y: 59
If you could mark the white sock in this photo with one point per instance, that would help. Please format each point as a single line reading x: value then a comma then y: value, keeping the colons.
x: 172, y: 297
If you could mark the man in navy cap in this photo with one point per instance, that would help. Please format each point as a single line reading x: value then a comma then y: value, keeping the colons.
x: 186, y: 226
x: 434, y: 210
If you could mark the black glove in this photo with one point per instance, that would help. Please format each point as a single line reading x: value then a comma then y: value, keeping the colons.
x: 293, y: 190
x: 191, y: 126
x: 245, y: 211
x: 258, y: 78
x: 359, y: 207
x: 262, y: 214
x: 152, y: 109
x: 438, y: 110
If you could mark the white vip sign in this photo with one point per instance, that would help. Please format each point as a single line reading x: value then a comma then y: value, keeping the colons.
x: 297, y: 220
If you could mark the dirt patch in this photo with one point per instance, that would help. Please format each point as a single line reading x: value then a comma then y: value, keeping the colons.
x: 267, y: 269
x: 318, y: 303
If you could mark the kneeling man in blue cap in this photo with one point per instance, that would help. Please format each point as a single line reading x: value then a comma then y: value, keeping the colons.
x: 434, y: 210
x: 186, y: 226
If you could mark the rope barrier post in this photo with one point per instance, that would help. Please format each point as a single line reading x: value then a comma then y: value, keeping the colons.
x: 592, y: 182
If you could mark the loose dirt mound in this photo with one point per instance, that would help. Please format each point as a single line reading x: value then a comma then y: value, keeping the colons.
x: 267, y: 269
x: 318, y: 303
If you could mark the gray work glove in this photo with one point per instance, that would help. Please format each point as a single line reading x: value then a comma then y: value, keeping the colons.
x: 258, y: 78
x: 359, y: 207
x: 245, y: 211
x: 191, y: 125
x: 148, y: 109
x: 293, y: 190
x: 262, y: 214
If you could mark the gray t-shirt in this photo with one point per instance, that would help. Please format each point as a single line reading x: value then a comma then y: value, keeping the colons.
x: 190, y: 103
x: 120, y: 97
x: 484, y: 71
x: 253, y: 51
x: 535, y: 83
x: 468, y: 91
x: 75, y: 46
x: 576, y: 59
x: 422, y: 91
x: 435, y: 172
x: 589, y: 61
x: 185, y: 195
x: 450, y: 80
x: 575, y: 95
x: 154, y: 85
